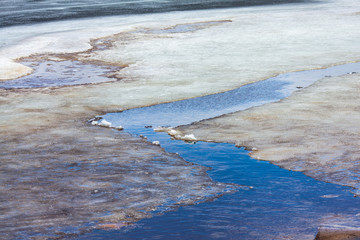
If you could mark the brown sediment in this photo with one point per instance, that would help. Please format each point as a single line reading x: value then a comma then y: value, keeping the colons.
x: 338, y: 235
x: 339, y: 227
x: 315, y: 131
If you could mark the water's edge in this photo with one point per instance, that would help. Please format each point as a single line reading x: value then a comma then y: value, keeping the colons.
x: 231, y: 164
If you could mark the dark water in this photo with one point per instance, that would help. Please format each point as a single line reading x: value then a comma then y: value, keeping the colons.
x: 282, y: 204
x: 15, y: 12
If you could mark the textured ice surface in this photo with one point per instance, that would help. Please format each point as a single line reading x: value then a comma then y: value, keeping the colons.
x: 69, y: 178
x: 258, y: 43
x: 44, y: 128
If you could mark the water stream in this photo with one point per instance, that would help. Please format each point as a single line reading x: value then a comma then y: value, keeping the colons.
x: 282, y: 204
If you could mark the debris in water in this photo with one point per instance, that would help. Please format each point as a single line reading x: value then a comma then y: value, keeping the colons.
x: 189, y: 137
x: 119, y: 128
x: 104, y: 123
x: 156, y: 143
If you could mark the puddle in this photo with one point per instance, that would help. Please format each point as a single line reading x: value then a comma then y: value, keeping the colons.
x: 62, y: 73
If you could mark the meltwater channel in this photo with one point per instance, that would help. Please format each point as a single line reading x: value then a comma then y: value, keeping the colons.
x: 281, y: 205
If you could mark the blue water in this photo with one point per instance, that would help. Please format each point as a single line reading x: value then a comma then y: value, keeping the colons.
x: 281, y: 203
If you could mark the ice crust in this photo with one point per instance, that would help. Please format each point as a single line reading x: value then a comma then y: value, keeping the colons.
x: 44, y: 129
x: 70, y: 176
x: 264, y: 41
x: 10, y: 69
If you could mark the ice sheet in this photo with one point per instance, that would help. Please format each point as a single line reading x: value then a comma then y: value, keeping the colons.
x: 69, y: 177
x: 246, y: 45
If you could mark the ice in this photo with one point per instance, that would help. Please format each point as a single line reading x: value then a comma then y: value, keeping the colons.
x: 119, y: 128
x: 10, y: 69
x: 49, y: 149
x: 68, y: 177
x: 264, y: 41
x: 189, y: 137
x: 104, y: 123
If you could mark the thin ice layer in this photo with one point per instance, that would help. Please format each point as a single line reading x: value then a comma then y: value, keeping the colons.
x: 72, y: 178
x: 315, y: 130
x: 163, y: 66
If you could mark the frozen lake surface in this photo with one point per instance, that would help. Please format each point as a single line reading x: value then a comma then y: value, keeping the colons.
x: 282, y: 204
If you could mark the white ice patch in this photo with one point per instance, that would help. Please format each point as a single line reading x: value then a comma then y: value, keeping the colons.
x: 119, y: 128
x: 189, y: 137
x: 104, y: 123
x: 162, y: 129
x: 156, y: 143
x: 11, y: 70
x: 173, y: 132
x: 258, y: 43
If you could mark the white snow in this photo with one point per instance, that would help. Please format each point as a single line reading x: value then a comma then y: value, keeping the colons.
x: 119, y: 128
x: 173, y: 132
x: 156, y: 143
x: 104, y: 123
x: 189, y: 137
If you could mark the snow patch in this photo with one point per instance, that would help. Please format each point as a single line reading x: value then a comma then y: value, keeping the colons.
x: 189, y: 137
x: 104, y: 123
x: 119, y: 128
x: 156, y: 143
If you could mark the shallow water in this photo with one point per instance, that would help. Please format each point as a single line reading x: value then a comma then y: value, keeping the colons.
x: 191, y: 110
x: 61, y: 73
x: 282, y: 204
